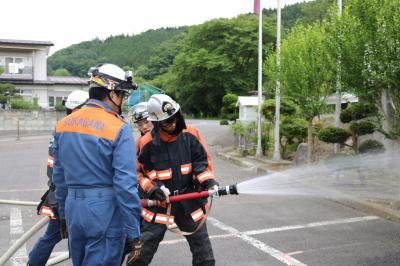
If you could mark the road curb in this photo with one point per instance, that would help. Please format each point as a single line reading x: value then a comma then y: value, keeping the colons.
x: 243, y: 162
x: 372, y: 208
x: 361, y: 205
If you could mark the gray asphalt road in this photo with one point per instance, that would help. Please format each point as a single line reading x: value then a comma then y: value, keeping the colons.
x: 244, y: 230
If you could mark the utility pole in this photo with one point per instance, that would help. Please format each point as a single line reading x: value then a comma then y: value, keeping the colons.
x: 338, y: 105
x: 259, y: 135
x: 277, y: 153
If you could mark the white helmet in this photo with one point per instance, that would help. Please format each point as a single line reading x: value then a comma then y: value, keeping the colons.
x: 139, y: 112
x: 161, y: 107
x: 75, y: 99
x: 111, y: 77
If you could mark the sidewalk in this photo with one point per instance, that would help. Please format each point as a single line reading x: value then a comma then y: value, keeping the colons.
x: 387, y: 209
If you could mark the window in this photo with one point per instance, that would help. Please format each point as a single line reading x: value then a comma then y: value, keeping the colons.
x: 14, y: 65
x: 59, y: 100
x: 51, y: 101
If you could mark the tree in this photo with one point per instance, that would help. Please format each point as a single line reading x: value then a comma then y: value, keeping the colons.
x: 7, y: 89
x: 362, y: 119
x: 61, y: 72
x: 307, y: 72
x: 218, y: 57
x: 229, y: 109
x: 368, y: 36
x: 293, y: 129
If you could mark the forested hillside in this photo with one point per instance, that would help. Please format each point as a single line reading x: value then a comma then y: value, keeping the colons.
x: 123, y: 50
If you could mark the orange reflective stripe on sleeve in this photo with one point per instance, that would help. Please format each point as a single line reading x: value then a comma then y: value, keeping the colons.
x: 197, y: 215
x: 50, y: 161
x: 162, y: 219
x: 145, y: 183
x: 151, y: 174
x: 46, y: 211
x: 186, y: 168
x: 164, y: 174
x: 147, y: 215
x: 204, y: 176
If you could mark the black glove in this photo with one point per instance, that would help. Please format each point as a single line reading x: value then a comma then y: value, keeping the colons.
x: 134, y: 246
x: 42, y: 200
x: 156, y: 193
x: 63, y: 229
x: 208, y: 184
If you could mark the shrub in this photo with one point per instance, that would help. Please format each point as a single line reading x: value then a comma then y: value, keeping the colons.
x: 59, y: 107
x: 362, y: 110
x: 238, y: 128
x: 21, y: 104
x: 294, y: 128
x: 334, y: 135
x: 362, y: 127
x: 228, y: 109
x: 371, y: 146
x: 288, y: 108
x: 224, y: 122
x: 345, y: 115
x: 3, y: 99
x: 357, y: 111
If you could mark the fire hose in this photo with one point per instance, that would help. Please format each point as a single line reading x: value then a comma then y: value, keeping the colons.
x: 221, y: 191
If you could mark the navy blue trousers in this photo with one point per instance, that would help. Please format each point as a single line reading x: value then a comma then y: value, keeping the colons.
x: 45, y: 245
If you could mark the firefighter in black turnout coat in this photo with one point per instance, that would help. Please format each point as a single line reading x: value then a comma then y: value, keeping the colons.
x: 173, y: 160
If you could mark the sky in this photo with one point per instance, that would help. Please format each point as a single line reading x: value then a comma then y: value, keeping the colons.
x: 65, y: 22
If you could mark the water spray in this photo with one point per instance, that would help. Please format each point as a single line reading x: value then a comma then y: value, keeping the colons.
x: 221, y: 191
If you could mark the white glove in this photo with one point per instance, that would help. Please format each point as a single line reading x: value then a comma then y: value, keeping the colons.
x: 215, y: 189
x: 166, y: 192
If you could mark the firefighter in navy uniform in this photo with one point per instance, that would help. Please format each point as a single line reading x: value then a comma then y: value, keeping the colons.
x: 94, y: 173
x: 48, y: 205
x: 173, y: 159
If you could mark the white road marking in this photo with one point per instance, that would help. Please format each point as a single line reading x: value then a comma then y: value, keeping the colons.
x: 295, y: 253
x: 16, y: 230
x: 283, y: 228
x: 282, y: 257
x: 23, y: 190
x: 310, y: 225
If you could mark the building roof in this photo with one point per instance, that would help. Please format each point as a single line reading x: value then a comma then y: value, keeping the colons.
x: 68, y: 80
x: 26, y: 42
x: 247, y: 101
x: 346, y: 98
x: 51, y: 80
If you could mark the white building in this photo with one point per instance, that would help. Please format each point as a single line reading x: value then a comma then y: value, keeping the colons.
x: 247, y: 108
x: 346, y: 98
x: 25, y: 66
